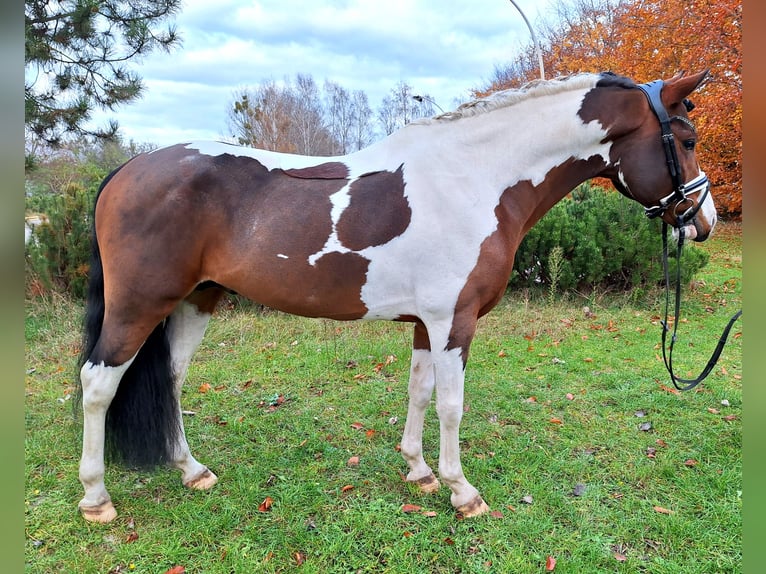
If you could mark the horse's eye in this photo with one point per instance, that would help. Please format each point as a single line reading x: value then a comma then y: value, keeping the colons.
x: 689, y: 144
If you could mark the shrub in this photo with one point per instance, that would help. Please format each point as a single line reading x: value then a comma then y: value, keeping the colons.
x: 58, y: 254
x: 605, y: 240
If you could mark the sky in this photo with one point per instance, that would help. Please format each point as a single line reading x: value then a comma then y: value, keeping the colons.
x: 443, y: 48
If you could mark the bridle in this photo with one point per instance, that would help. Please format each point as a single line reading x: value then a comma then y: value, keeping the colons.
x: 681, y: 191
x: 677, y: 197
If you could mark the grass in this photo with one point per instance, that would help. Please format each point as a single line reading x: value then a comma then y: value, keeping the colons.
x: 555, y: 400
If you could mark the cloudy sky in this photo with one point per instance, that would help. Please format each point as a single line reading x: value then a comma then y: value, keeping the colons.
x: 443, y: 48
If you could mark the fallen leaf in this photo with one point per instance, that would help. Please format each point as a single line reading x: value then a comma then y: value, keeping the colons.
x: 347, y: 488
x: 662, y: 510
x: 299, y: 557
x: 713, y: 411
x: 579, y: 489
x: 620, y: 557
x: 265, y: 506
x: 353, y: 461
x: 357, y: 426
x: 690, y: 462
x: 175, y: 570
x: 449, y: 541
x: 556, y: 421
x: 496, y: 514
x: 204, y: 387
x: 570, y: 397
x: 407, y: 508
x: 651, y: 452
x: 730, y: 417
x: 661, y: 443
x: 550, y: 564
x: 370, y: 433
x: 429, y: 513
x: 527, y: 499
x: 132, y: 537
x: 406, y: 534
x: 501, y: 354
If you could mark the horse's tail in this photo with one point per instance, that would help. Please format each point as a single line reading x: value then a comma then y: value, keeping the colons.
x: 142, y: 421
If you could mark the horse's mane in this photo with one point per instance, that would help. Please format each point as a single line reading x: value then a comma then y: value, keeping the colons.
x: 533, y: 89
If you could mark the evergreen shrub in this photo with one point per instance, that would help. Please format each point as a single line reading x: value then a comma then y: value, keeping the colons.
x: 605, y: 240
x: 58, y: 253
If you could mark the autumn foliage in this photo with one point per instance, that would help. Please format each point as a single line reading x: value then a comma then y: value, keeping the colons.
x: 651, y: 39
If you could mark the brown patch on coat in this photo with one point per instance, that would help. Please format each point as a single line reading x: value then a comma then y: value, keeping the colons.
x: 378, y: 210
x: 328, y: 170
x: 175, y: 218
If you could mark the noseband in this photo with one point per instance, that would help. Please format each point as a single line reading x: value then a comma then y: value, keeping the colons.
x: 679, y: 195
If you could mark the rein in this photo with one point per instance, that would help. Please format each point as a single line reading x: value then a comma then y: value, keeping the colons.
x: 680, y: 194
x: 667, y: 352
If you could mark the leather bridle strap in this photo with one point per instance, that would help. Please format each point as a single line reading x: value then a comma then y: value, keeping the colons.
x: 667, y: 355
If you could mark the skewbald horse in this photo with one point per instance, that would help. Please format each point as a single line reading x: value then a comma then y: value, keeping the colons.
x: 420, y: 227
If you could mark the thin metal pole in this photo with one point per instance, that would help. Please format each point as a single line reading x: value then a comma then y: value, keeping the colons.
x: 534, y: 40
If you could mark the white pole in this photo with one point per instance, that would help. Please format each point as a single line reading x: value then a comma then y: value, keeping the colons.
x: 534, y: 40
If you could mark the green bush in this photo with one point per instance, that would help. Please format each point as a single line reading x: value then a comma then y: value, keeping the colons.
x: 605, y: 240
x: 58, y: 254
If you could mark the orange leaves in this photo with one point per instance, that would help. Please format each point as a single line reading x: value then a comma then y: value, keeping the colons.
x: 266, y: 505
x: 176, y: 570
x: 550, y: 564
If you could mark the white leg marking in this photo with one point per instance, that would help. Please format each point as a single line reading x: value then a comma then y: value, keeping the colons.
x: 99, y: 385
x: 450, y: 379
x: 421, y: 388
x: 186, y: 329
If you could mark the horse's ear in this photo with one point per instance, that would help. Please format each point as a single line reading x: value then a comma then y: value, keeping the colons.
x: 676, y: 89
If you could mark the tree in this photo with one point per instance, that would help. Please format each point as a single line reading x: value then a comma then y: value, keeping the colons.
x: 348, y: 118
x: 650, y: 39
x: 285, y: 118
x: 401, y: 106
x: 76, y: 53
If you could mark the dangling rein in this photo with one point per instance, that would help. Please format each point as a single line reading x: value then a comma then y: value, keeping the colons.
x: 667, y: 352
x: 680, y: 194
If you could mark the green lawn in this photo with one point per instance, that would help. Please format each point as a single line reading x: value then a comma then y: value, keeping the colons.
x: 571, y: 433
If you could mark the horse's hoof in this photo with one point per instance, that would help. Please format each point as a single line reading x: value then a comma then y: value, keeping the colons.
x: 428, y: 484
x: 475, y: 507
x: 203, y: 481
x: 102, y: 513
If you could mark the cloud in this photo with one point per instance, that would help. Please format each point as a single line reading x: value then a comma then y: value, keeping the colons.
x: 444, y: 49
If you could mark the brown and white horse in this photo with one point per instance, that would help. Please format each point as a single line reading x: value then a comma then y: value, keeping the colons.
x: 419, y: 227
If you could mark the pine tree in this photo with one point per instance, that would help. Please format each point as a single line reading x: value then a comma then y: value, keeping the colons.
x: 76, y: 53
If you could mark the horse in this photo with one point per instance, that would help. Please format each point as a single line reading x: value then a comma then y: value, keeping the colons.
x: 420, y: 227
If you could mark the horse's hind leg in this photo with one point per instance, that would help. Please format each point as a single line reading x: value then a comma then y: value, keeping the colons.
x: 421, y: 388
x: 99, y: 385
x: 185, y: 331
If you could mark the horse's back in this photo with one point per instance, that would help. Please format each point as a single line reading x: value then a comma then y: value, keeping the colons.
x: 177, y: 217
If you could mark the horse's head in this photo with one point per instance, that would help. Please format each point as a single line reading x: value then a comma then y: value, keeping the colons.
x: 653, y: 155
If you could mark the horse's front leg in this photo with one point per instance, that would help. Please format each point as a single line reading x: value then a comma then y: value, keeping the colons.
x: 450, y: 377
x: 421, y: 388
